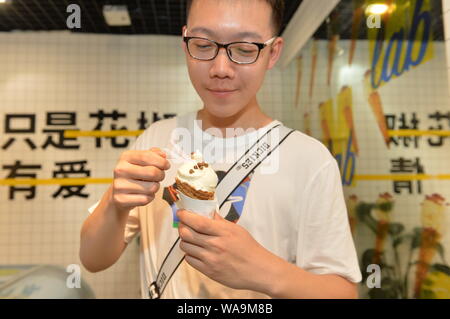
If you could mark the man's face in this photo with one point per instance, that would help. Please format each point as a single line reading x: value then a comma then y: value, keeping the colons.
x: 221, y: 21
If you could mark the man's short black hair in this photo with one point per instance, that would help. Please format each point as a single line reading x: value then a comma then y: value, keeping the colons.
x: 277, y: 13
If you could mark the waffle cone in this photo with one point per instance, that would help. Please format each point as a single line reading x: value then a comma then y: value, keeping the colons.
x: 190, y: 191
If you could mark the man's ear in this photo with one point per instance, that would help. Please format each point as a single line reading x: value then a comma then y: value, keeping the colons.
x: 275, y: 52
x: 183, y: 44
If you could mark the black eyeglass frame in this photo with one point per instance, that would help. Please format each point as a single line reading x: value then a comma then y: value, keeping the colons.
x: 260, y: 46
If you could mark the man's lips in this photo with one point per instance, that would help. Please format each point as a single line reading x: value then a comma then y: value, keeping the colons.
x: 221, y: 92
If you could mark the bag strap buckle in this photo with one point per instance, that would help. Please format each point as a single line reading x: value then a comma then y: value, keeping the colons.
x: 153, y: 291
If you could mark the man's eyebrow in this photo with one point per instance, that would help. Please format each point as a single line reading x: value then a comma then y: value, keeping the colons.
x: 243, y: 34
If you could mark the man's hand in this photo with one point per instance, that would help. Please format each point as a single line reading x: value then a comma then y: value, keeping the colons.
x: 228, y: 254
x: 136, y: 178
x: 222, y: 250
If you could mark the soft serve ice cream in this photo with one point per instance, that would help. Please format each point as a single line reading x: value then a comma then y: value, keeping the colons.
x: 196, y: 178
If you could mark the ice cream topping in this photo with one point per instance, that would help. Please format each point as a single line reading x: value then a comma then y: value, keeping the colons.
x: 198, y: 174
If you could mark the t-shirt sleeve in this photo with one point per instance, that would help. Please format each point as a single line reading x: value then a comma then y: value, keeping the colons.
x: 325, y: 244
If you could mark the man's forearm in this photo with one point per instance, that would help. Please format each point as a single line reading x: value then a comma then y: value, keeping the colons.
x: 101, y: 242
x: 285, y: 280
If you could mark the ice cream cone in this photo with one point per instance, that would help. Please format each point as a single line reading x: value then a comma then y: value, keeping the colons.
x: 204, y: 208
x: 307, y: 123
x: 190, y: 191
x: 196, y: 183
x: 356, y: 24
x: 346, y: 95
x: 374, y: 99
x: 348, y: 113
x: 331, y: 52
x: 326, y: 131
x: 429, y: 240
x: 313, y: 68
x: 368, y: 89
x: 382, y: 212
x: 377, y: 109
x: 382, y: 231
x: 433, y: 220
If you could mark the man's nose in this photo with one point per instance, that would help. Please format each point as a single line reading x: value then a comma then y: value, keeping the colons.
x: 222, y: 66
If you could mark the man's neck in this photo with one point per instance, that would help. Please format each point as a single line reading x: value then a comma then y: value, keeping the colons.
x: 249, y: 117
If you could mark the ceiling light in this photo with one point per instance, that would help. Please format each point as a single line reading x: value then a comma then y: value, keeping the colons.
x: 377, y: 9
x: 116, y: 16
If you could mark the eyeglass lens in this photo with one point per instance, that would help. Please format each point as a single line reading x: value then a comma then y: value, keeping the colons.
x: 238, y: 52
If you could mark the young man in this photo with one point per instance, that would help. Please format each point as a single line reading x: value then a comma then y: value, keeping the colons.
x: 290, y: 237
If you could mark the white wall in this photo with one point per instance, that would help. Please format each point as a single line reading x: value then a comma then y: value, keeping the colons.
x: 59, y: 71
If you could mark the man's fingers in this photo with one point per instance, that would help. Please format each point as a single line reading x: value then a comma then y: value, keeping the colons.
x: 128, y: 186
x: 200, y: 224
x: 148, y: 158
x: 193, y: 250
x: 189, y: 235
x: 196, y: 263
x: 133, y: 200
x: 159, y: 151
x: 144, y: 173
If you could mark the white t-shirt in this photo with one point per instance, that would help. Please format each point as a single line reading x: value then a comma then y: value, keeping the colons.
x: 298, y: 213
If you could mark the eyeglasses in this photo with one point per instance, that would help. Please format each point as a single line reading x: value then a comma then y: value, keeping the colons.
x: 238, y: 52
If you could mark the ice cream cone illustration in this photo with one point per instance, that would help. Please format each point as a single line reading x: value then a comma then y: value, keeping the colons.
x: 331, y: 52
x: 313, y: 68
x: 368, y: 89
x: 346, y: 94
x: 348, y: 113
x: 381, y: 212
x: 307, y: 123
x: 376, y: 105
x: 433, y: 218
x: 358, y: 12
x: 333, y: 32
x: 326, y: 131
x: 352, y: 202
x: 299, y: 80
x: 326, y: 123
